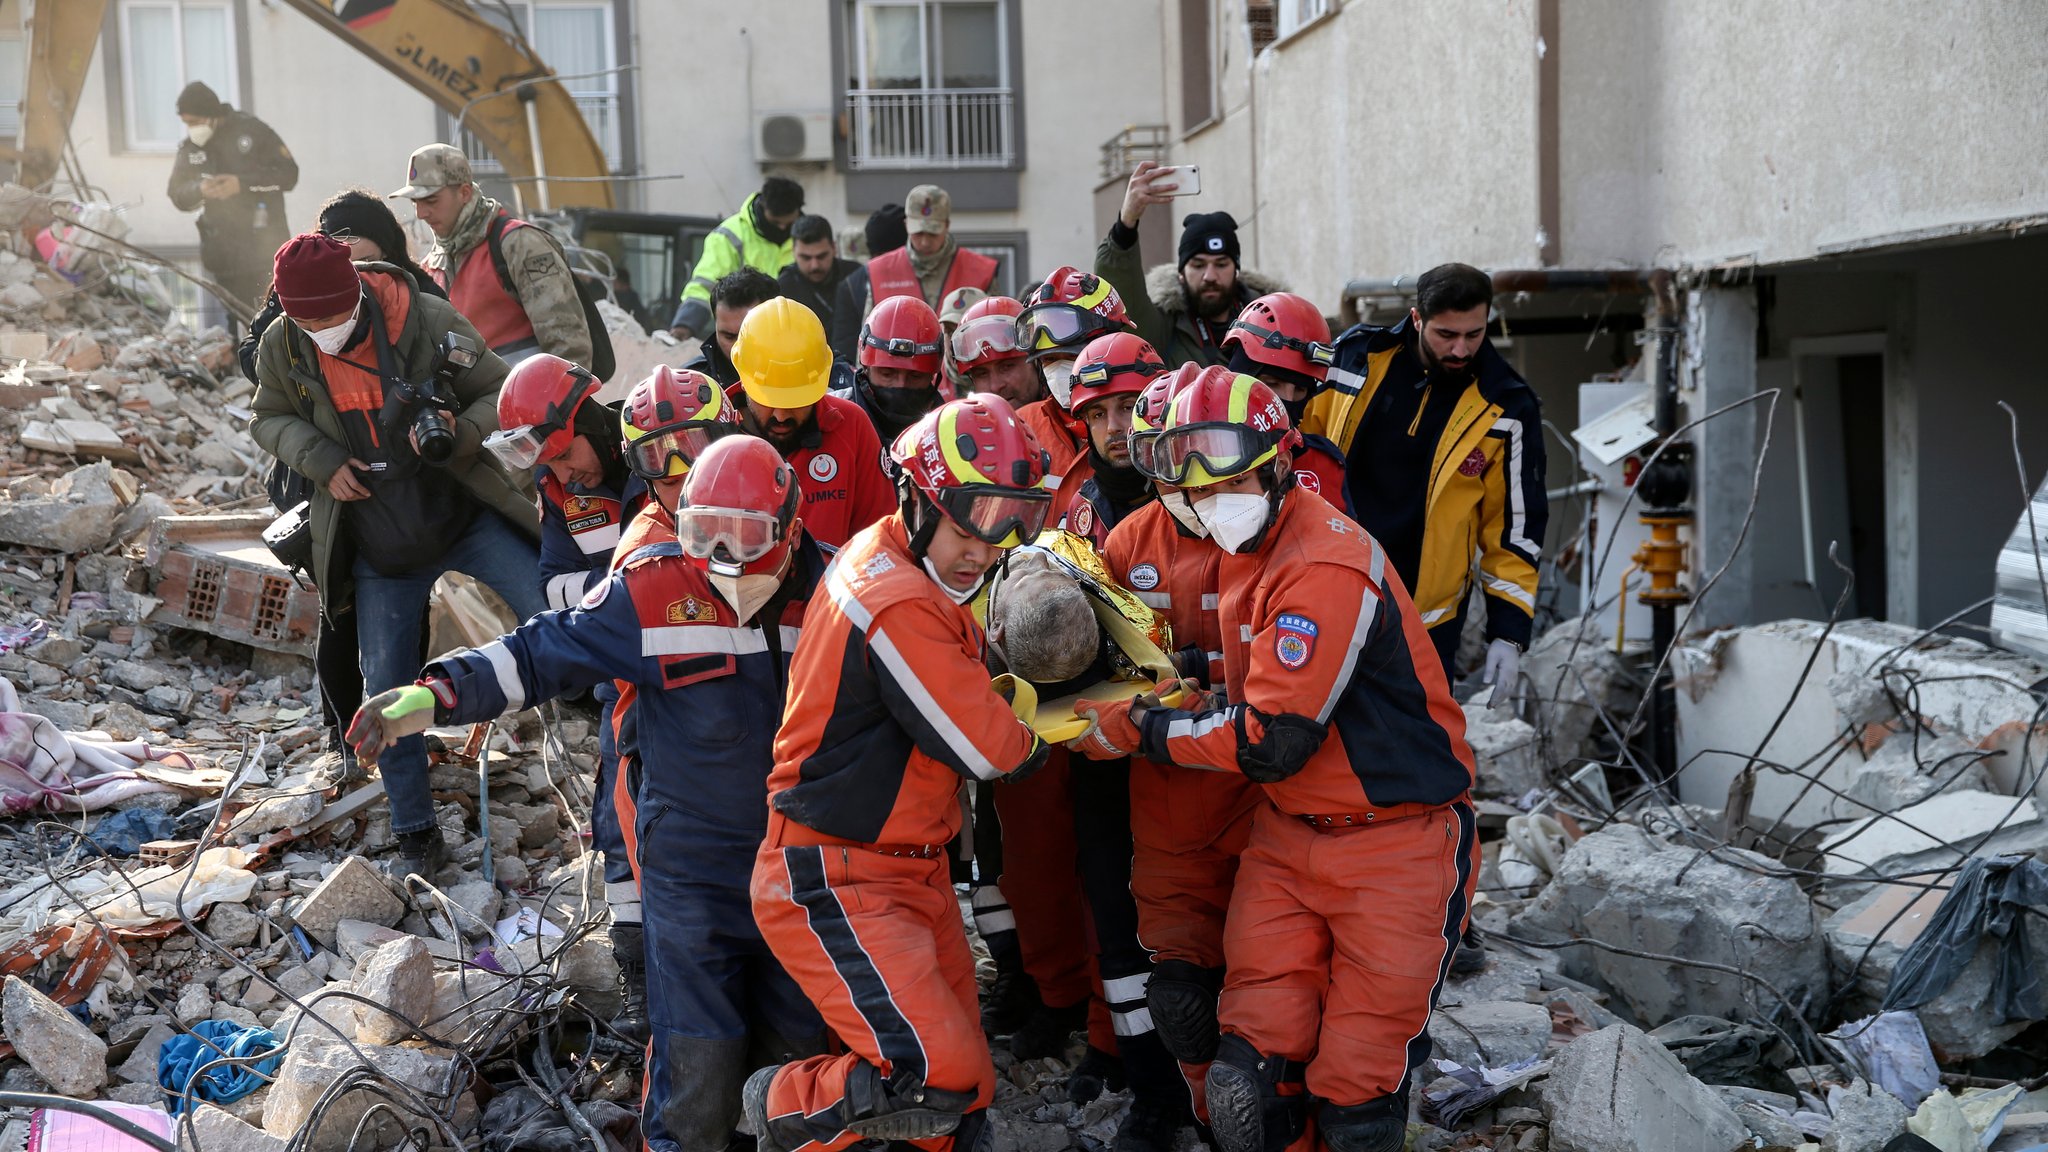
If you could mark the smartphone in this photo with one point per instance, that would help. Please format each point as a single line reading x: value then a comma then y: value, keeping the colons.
x: 1179, y: 180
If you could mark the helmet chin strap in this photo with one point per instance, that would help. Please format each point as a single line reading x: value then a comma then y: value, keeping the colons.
x: 920, y: 516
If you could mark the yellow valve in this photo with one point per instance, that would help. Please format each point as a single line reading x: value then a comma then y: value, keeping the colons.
x: 1662, y: 558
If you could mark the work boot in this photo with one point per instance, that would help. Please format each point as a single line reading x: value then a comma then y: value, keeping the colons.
x: 1098, y: 1072
x: 1012, y: 998
x: 630, y: 1022
x: 754, y: 1109
x: 1471, y: 954
x: 422, y: 854
x: 1048, y: 1030
x: 1150, y: 1126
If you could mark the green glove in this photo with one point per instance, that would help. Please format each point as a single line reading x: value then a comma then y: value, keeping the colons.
x: 389, y: 716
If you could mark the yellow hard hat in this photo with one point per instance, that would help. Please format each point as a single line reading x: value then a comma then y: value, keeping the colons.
x: 781, y: 354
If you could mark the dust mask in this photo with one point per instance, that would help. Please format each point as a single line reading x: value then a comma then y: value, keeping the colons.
x: 746, y: 594
x: 1059, y: 380
x: 199, y: 134
x: 952, y: 593
x: 332, y: 340
x: 1232, y: 518
x: 1182, y: 510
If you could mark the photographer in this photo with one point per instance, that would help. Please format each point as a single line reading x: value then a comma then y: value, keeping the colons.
x: 381, y: 395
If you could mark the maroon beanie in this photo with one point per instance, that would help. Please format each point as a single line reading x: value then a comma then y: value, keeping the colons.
x: 315, y: 277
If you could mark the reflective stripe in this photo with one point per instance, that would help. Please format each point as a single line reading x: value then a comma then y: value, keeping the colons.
x: 1192, y: 729
x: 1345, y: 380
x: 1517, y: 514
x: 730, y: 238
x: 568, y: 588
x: 507, y: 669
x: 1244, y: 633
x: 1136, y: 1022
x: 895, y: 1036
x: 1433, y: 617
x: 1159, y: 600
x: 1512, y: 591
x: 1209, y: 601
x: 1368, y: 607
x: 698, y: 639
x: 906, y: 679
x: 598, y: 540
x: 1126, y: 988
x: 702, y: 282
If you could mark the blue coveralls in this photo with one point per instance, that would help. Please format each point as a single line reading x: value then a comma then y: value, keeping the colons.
x: 701, y: 698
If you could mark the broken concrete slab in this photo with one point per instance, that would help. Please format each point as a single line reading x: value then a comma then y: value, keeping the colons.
x: 1627, y: 888
x: 232, y: 925
x: 140, y: 1066
x: 357, y: 939
x: 400, y: 977
x: 1905, y: 771
x: 1933, y: 832
x: 1574, y: 676
x: 77, y: 514
x: 215, y: 1130
x: 353, y: 891
x: 1866, y: 1118
x: 310, y: 1067
x: 1507, y: 750
x: 1617, y: 1090
x: 1494, y: 1034
x: 64, y: 1052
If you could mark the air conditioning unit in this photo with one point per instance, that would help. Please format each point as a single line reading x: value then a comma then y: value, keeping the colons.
x: 792, y: 137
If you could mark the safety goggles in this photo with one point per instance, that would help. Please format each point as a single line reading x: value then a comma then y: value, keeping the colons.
x: 1051, y: 326
x: 1314, y: 351
x: 520, y: 449
x: 1222, y: 450
x: 1100, y: 372
x: 902, y: 346
x: 986, y: 336
x: 999, y: 516
x: 1143, y: 441
x: 742, y: 534
x: 651, y: 455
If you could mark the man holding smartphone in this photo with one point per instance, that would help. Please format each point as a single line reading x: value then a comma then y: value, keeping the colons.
x: 1183, y: 310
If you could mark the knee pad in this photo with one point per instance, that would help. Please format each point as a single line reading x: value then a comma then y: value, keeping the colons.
x: 1182, y: 999
x: 1257, y: 1103
x: 1375, y: 1126
x: 901, y: 1107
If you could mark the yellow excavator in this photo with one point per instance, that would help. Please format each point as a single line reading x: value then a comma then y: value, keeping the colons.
x: 490, y: 80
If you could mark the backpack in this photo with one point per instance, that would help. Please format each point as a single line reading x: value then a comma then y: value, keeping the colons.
x: 602, y: 362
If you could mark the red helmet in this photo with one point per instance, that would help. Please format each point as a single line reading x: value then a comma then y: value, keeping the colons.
x: 1068, y: 310
x: 902, y: 332
x: 1217, y: 425
x: 1284, y: 331
x: 537, y: 411
x: 979, y: 464
x: 1121, y: 363
x: 670, y: 418
x: 988, y: 332
x: 737, y: 514
x: 1150, y: 413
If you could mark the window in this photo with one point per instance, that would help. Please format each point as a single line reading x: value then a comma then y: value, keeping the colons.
x: 165, y: 45
x: 1197, y: 66
x: 929, y: 85
x: 575, y: 38
x: 1294, y: 14
x: 1007, y: 250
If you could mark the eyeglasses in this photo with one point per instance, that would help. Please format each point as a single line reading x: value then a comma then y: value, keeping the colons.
x: 520, y: 449
x: 651, y: 457
x: 1221, y: 450
x: 986, y: 336
x: 743, y: 535
x: 1003, y: 517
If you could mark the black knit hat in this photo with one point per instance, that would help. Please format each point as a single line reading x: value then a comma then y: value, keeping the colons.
x: 886, y: 231
x: 199, y: 100
x: 1207, y: 234
x: 361, y: 213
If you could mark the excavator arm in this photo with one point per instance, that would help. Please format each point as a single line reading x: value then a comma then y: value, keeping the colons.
x: 481, y: 75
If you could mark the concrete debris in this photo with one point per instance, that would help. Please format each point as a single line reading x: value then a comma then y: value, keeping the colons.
x: 1577, y: 676
x: 400, y: 977
x: 215, y: 1130
x: 1922, y: 836
x: 1866, y: 1118
x: 64, y: 1052
x: 1905, y: 771
x: 312, y: 1066
x: 1617, y: 1090
x: 353, y: 891
x: 1624, y: 887
x: 1508, y: 752
x: 1494, y: 1034
x: 76, y: 512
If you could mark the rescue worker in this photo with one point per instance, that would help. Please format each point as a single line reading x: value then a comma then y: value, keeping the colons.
x: 386, y: 521
x: 901, y: 354
x: 550, y: 423
x: 785, y: 369
x: 951, y: 311
x: 988, y: 352
x: 1102, y: 487
x: 891, y: 710
x: 931, y: 265
x: 1185, y: 309
x: 509, y: 278
x: 757, y: 237
x: 1355, y: 886
x: 703, y: 624
x: 1284, y: 342
x: 1444, y: 445
x: 732, y: 297
x: 1067, y: 310
x: 232, y: 168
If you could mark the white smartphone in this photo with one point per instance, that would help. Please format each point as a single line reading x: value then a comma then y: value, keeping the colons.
x: 1179, y: 180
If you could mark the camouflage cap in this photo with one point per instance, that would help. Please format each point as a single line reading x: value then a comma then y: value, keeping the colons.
x: 958, y: 301
x: 433, y: 168
x: 927, y: 209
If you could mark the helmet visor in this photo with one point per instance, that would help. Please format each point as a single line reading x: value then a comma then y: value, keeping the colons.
x: 1003, y: 517
x: 518, y: 449
x: 669, y: 453
x: 1053, y: 326
x: 1143, y: 442
x: 1220, y: 450
x: 986, y: 336
x: 742, y: 535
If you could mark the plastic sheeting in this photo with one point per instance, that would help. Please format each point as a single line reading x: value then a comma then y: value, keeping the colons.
x: 1989, y: 900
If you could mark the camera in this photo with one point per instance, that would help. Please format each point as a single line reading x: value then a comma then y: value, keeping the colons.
x: 432, y: 401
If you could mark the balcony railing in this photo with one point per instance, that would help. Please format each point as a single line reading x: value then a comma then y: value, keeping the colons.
x: 600, y: 111
x: 930, y: 128
x: 1121, y: 152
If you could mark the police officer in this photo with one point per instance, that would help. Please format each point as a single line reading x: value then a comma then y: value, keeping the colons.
x: 702, y: 626
x: 509, y: 277
x: 235, y: 170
